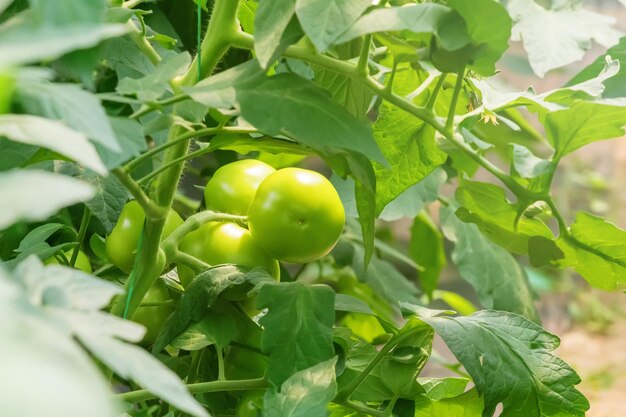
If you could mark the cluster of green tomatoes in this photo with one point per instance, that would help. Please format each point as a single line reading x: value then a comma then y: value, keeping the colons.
x: 294, y: 215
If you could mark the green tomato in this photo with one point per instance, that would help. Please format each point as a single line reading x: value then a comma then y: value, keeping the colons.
x: 121, y: 244
x: 82, y: 261
x: 250, y: 404
x: 233, y: 186
x: 296, y: 215
x: 225, y: 243
x: 153, y: 317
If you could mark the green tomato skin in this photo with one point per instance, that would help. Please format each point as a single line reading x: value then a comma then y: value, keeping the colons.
x: 82, y: 261
x: 225, y: 243
x: 296, y: 215
x: 121, y: 244
x: 153, y: 317
x: 250, y: 404
x: 233, y: 186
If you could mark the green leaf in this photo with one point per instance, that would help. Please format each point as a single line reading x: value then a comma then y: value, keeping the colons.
x: 489, y: 28
x: 411, y: 202
x: 154, y: 85
x: 15, y: 154
x: 214, y: 329
x: 201, y: 294
x: 304, y: 394
x: 469, y: 404
x: 407, y: 143
x: 531, y: 171
x: 78, y: 109
x: 34, y: 243
x: 68, y: 12
x: 270, y: 22
x: 53, y: 135
x: 614, y: 86
x: 418, y: 18
x: 291, y: 105
x: 555, y: 38
x: 298, y: 327
x: 584, y: 123
x: 36, y: 195
x: 597, y: 251
x: 441, y: 388
x: 427, y: 249
x: 345, y: 302
x: 323, y: 21
x: 499, y: 280
x: 486, y: 206
x: 509, y: 359
x: 131, y: 137
x: 351, y: 94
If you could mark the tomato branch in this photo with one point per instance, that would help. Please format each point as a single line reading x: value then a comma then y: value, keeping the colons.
x: 201, y: 387
x: 135, y: 189
x: 455, y: 99
x: 143, y: 44
x: 170, y: 245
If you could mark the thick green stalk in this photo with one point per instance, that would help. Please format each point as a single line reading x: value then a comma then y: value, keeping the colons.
x: 152, y: 259
x: 213, y: 386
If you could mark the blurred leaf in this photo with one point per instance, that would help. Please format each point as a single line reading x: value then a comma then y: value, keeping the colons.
x: 441, y: 388
x: 418, y: 18
x: 496, y: 276
x: 509, y: 359
x: 304, y: 394
x: 298, y: 327
x: 152, y: 86
x: 323, y: 21
x: 131, y: 137
x: 36, y: 195
x: 427, y: 249
x: 555, y: 38
x: 34, y: 243
x: 53, y: 135
x: 614, y: 86
x: 78, y: 109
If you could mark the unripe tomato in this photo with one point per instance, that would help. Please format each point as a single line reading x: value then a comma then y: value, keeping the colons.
x: 250, y: 404
x: 296, y: 215
x: 121, y: 244
x: 233, y: 186
x: 82, y: 261
x: 153, y: 317
x: 225, y: 243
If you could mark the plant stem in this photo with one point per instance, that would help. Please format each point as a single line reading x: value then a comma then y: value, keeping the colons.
x: 82, y: 231
x: 369, y: 411
x: 152, y: 259
x: 170, y: 245
x: 144, y: 201
x: 191, y: 261
x: 433, y: 98
x: 212, y: 386
x: 362, y: 67
x: 234, y: 130
x: 455, y: 99
x: 150, y: 107
x: 143, y: 44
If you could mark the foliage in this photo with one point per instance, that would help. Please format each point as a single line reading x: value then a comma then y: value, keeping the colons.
x: 101, y: 102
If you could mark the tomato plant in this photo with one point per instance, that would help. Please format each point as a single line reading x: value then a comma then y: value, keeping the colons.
x: 417, y: 194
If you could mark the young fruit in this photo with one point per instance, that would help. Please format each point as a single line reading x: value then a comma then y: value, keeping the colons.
x: 153, y: 317
x: 296, y: 215
x: 121, y: 244
x: 82, y: 261
x: 225, y: 243
x: 250, y: 404
x: 233, y: 186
